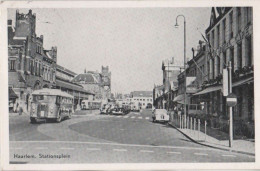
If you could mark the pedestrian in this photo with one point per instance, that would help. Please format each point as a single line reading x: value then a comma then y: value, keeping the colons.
x: 20, y: 110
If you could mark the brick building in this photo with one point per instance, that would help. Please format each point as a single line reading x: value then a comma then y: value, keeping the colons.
x: 30, y: 67
x: 230, y: 37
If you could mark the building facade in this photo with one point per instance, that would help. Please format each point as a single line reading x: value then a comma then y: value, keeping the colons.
x: 144, y: 98
x: 30, y: 67
x: 64, y: 82
x: 230, y: 39
x: 97, y: 83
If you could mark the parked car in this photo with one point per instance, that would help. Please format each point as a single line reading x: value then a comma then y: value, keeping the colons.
x: 105, y: 109
x: 160, y: 115
x: 118, y: 111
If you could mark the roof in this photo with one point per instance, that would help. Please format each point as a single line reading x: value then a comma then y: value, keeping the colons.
x: 214, y: 20
x: 88, y: 78
x: 51, y: 92
x: 141, y: 94
x: 65, y: 70
x: 71, y: 86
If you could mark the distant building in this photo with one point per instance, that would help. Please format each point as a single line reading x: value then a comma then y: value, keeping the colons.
x: 97, y: 83
x: 64, y: 82
x: 144, y: 98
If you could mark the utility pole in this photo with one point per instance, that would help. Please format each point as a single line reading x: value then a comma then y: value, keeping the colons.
x: 230, y: 107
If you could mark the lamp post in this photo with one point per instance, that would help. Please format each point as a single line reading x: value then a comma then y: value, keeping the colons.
x: 176, y: 25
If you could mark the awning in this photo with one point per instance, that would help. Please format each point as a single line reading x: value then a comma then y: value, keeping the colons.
x: 219, y: 87
x: 180, y: 99
x: 241, y: 82
x: 209, y: 89
x: 12, y: 94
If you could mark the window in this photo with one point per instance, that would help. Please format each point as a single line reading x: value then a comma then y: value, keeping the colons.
x: 232, y: 58
x: 248, y: 15
x: 224, y: 31
x: 218, y: 36
x: 239, y: 56
x: 218, y: 65
x: 239, y: 19
x: 249, y: 51
x: 224, y: 59
x: 231, y: 24
x: 213, y: 39
x: 12, y: 65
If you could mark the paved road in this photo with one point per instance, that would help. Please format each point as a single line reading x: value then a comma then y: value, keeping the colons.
x: 94, y: 138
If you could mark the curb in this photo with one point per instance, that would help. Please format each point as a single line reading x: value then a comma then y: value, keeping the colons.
x: 220, y: 148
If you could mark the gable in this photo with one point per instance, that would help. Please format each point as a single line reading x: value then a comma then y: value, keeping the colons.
x: 212, y: 16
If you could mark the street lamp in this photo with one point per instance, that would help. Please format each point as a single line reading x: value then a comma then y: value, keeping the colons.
x: 176, y: 25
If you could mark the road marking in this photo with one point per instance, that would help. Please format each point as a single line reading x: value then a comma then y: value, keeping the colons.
x: 133, y: 117
x: 126, y: 116
x: 140, y: 117
x: 228, y: 155
x: 119, y: 150
x: 147, y: 118
x: 41, y: 148
x: 117, y: 144
x: 119, y: 116
x: 201, y: 154
x: 172, y: 152
x: 146, y: 151
x: 93, y: 149
x: 64, y: 148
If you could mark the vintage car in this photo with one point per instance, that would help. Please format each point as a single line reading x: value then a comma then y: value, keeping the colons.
x: 160, y: 115
x: 118, y: 111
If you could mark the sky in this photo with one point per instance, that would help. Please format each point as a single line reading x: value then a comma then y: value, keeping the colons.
x: 133, y: 42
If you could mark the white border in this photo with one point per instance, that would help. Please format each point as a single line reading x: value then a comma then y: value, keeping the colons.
x: 116, y: 4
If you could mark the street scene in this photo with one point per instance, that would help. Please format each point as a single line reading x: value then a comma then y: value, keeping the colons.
x: 131, y: 85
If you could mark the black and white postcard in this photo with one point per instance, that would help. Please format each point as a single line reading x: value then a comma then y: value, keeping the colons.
x: 129, y: 85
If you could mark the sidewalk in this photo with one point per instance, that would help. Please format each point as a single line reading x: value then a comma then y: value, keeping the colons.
x: 240, y: 146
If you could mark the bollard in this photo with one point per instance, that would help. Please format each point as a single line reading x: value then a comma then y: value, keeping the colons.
x: 194, y: 124
x: 205, y: 130
x: 188, y: 122
x: 191, y: 123
x: 180, y: 121
x: 198, y: 128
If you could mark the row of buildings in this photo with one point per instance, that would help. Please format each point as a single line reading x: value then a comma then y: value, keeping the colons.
x: 32, y: 67
x: 229, y: 37
x: 142, y: 99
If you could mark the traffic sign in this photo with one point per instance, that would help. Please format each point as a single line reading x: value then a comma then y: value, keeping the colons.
x: 231, y: 100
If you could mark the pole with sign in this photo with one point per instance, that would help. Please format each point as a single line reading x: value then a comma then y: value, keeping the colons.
x: 231, y: 102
